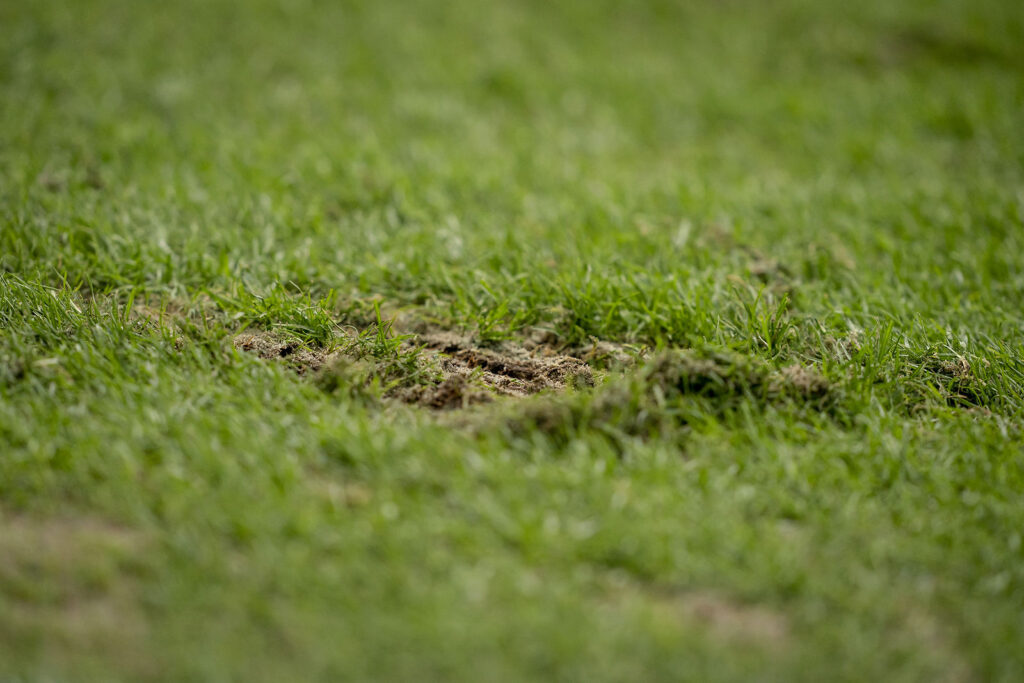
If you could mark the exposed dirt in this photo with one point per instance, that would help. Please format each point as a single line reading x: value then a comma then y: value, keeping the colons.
x: 804, y: 381
x: 773, y: 274
x: 339, y: 494
x: 472, y: 374
x: 725, y: 374
x: 299, y: 357
x: 609, y: 354
x: 455, y: 391
x: 468, y: 374
x: 760, y: 270
x: 919, y: 629
x: 508, y: 369
x: 534, y: 341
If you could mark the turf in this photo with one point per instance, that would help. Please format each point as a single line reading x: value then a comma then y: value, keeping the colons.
x: 799, y: 225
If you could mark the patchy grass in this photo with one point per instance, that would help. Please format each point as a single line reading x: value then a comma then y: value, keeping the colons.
x: 511, y: 340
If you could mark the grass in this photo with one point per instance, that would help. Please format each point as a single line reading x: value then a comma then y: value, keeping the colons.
x: 802, y: 224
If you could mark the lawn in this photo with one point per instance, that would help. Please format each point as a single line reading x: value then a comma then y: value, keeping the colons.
x: 512, y: 340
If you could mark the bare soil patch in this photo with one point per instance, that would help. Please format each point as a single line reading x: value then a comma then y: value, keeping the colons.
x: 509, y: 370
x: 303, y: 359
x: 467, y: 374
x: 919, y: 629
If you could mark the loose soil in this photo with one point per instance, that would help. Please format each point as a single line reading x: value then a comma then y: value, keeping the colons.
x: 299, y: 357
x: 508, y: 369
x: 468, y: 374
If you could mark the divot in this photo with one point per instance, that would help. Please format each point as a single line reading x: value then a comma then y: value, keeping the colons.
x: 466, y: 374
x: 635, y: 406
x: 508, y: 370
x: 455, y: 391
x: 268, y: 346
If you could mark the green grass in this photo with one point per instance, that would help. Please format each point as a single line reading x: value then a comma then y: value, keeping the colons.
x: 804, y: 220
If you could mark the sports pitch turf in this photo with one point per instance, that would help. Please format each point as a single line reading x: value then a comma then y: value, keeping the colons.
x: 511, y: 340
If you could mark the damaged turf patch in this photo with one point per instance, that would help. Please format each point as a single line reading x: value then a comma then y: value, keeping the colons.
x: 299, y: 357
x: 508, y: 370
x: 717, y: 374
x: 958, y: 383
x: 672, y: 386
x: 438, y: 371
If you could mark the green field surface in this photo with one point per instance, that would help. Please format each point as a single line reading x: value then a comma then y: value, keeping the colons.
x: 512, y: 340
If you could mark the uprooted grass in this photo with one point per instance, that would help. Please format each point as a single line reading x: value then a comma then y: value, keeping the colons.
x: 672, y: 389
x: 425, y: 365
x: 440, y: 371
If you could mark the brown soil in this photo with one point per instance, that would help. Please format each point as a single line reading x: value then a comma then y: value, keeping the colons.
x: 472, y: 374
x: 469, y: 374
x: 731, y: 619
x: 455, y: 391
x: 302, y: 359
x: 508, y: 369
